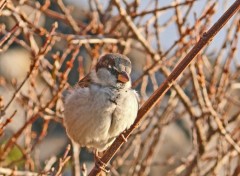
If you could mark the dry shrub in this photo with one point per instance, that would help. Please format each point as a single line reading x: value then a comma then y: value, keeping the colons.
x: 47, y: 46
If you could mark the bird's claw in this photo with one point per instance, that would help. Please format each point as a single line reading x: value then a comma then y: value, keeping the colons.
x: 99, y: 163
x: 103, y: 166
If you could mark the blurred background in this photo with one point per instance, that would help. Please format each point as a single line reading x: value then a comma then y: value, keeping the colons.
x: 46, y: 46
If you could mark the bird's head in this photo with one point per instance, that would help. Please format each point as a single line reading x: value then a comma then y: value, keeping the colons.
x: 114, y: 69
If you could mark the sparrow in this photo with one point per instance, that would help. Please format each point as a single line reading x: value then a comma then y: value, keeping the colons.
x: 102, y: 105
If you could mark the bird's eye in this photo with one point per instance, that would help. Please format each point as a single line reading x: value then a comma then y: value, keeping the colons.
x: 112, y: 69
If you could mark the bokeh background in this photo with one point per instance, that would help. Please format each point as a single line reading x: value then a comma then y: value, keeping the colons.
x: 47, y: 46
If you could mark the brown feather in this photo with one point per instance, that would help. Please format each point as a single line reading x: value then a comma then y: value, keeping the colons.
x: 105, y: 61
x: 85, y: 82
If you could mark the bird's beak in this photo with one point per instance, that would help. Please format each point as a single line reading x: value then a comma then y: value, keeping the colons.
x: 123, y: 77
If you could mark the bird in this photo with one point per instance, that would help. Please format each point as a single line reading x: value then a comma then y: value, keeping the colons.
x: 101, y: 105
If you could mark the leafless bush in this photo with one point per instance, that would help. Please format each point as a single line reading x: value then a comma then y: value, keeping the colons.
x: 48, y: 45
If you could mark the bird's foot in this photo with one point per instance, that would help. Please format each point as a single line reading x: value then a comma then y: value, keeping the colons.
x: 101, y: 165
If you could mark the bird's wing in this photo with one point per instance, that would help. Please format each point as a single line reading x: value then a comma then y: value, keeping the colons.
x: 84, y: 82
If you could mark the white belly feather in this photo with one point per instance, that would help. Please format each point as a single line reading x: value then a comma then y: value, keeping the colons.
x: 92, y: 118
